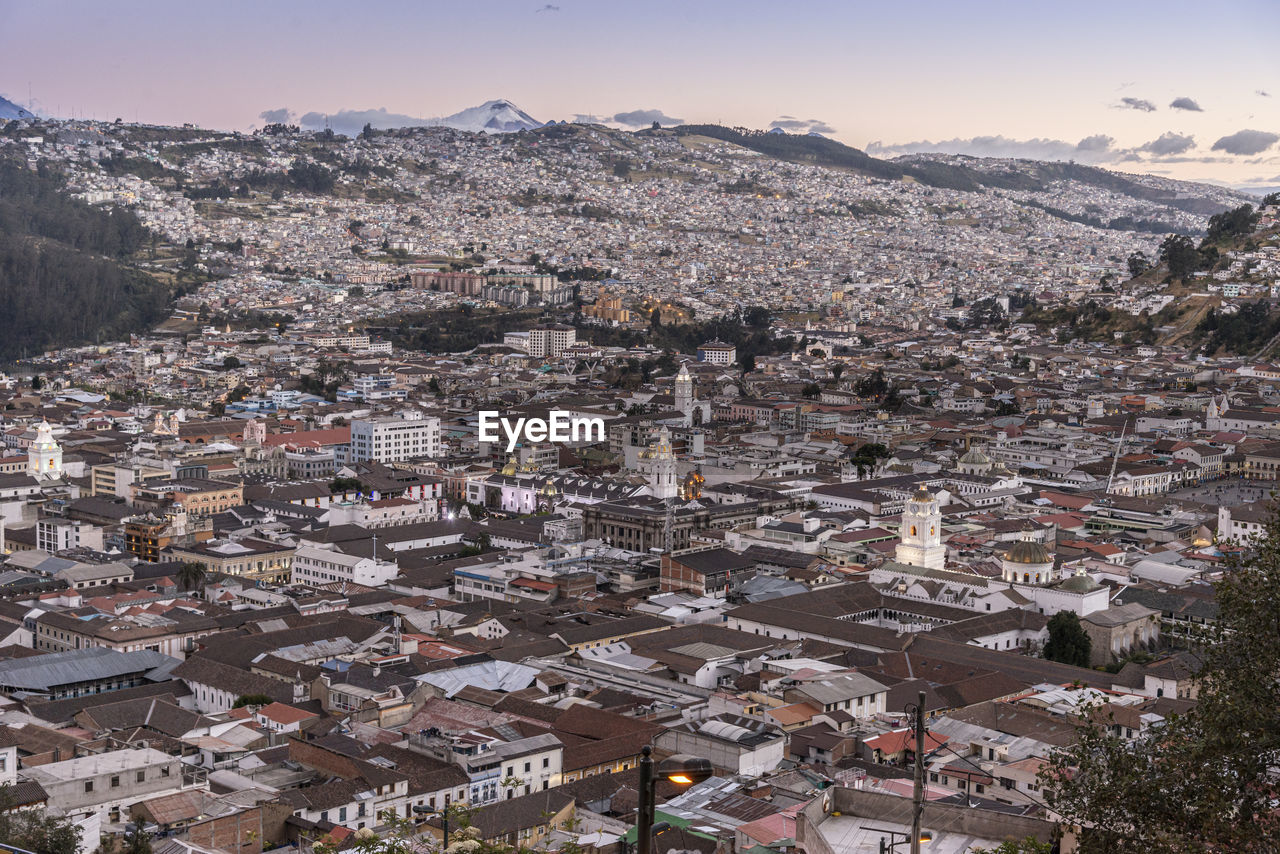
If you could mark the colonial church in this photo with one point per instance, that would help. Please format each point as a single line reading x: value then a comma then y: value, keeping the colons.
x: 44, y: 456
x: 1028, y: 571
x: 921, y: 537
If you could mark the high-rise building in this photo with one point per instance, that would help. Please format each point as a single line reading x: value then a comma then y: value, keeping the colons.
x: 551, y: 341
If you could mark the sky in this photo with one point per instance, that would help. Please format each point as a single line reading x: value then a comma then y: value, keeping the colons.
x: 1187, y: 90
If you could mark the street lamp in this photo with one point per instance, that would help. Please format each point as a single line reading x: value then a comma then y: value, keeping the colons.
x: 891, y: 844
x: 681, y: 769
x: 444, y: 819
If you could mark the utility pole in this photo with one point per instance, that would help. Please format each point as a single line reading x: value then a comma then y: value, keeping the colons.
x: 644, y: 815
x: 917, y: 799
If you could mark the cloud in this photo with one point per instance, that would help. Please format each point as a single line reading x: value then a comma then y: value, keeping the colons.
x: 1168, y: 144
x: 1136, y: 104
x: 351, y: 122
x: 547, y: 8
x: 1092, y: 149
x: 280, y: 116
x: 1186, y: 104
x: 1097, y: 142
x: 588, y: 119
x: 1264, y: 94
x: 791, y: 123
x: 640, y: 118
x: 1246, y: 142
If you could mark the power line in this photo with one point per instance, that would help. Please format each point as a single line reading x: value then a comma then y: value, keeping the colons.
x: 958, y: 755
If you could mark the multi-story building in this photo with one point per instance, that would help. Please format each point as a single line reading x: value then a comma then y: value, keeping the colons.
x: 322, y: 564
x: 107, y: 783
x: 392, y: 438
x: 197, y: 496
x: 717, y: 353
x: 147, y: 535
x: 254, y: 560
x: 118, y: 479
x: 54, y: 535
x: 551, y: 341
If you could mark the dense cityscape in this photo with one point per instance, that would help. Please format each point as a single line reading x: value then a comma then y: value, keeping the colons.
x: 903, y: 491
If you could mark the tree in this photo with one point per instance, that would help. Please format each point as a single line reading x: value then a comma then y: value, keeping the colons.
x: 837, y: 370
x: 367, y: 131
x: 230, y: 363
x: 1228, y: 224
x: 1029, y: 845
x: 1178, y: 253
x: 747, y: 363
x: 192, y: 575
x: 811, y: 390
x: 344, y: 484
x: 871, y: 385
x: 1138, y: 264
x: 1204, y: 780
x: 757, y: 317
x: 136, y: 841
x: 868, y: 456
x: 35, y: 830
x: 252, y: 700
x: 1068, y: 642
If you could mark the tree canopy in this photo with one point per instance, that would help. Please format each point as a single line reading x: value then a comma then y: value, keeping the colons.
x: 1068, y: 642
x: 35, y: 830
x: 1204, y: 780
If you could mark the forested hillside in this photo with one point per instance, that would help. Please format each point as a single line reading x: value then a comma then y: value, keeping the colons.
x: 65, y: 276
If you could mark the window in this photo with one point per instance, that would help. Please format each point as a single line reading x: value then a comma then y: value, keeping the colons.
x: 142, y: 776
x: 115, y: 781
x: 88, y: 786
x: 546, y: 762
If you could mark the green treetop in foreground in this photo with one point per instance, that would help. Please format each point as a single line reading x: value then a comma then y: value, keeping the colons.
x: 1206, y: 780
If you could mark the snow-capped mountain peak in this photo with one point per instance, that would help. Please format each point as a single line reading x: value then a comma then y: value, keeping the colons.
x: 10, y: 110
x: 499, y: 116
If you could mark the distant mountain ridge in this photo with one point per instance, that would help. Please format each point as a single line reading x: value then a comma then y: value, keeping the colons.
x: 964, y: 174
x: 497, y: 116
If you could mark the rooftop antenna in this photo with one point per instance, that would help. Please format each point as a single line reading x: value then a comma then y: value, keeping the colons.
x: 1116, y: 459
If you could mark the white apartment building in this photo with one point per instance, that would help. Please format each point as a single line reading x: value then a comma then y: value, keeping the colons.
x: 551, y: 341
x: 717, y: 353
x: 54, y: 535
x: 392, y: 438
x: 322, y: 564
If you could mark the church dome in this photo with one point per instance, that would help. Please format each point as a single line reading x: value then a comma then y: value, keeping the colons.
x: 922, y: 494
x: 1028, y: 551
x: 975, y: 458
x: 1079, y: 584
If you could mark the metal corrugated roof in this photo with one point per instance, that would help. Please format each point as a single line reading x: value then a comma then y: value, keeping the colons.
x: 43, y: 672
